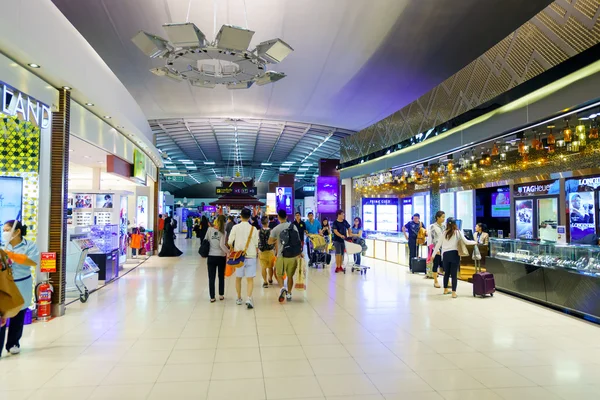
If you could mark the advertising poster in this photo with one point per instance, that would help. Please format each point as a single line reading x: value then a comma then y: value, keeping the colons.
x: 271, y: 204
x: 524, y: 217
x: 501, y: 205
x: 581, y: 212
x: 11, y: 195
x: 284, y: 199
x: 83, y: 201
x: 327, y: 194
x: 123, y: 222
x: 210, y: 209
x: 380, y: 214
x: 142, y: 212
x: 139, y: 166
x: 104, y: 201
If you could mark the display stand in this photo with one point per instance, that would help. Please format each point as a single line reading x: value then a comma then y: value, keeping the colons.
x: 82, y: 273
x: 105, y: 252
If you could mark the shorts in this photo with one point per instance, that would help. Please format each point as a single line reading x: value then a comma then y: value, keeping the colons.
x: 339, y: 247
x: 266, y: 259
x: 287, y: 266
x: 248, y: 270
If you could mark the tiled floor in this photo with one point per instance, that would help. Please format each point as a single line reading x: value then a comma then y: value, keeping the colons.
x: 387, y: 335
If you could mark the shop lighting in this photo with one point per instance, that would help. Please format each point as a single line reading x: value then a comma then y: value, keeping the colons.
x: 67, y: 87
x: 89, y: 104
x: 302, y: 169
x: 209, y: 163
x: 307, y: 164
x: 33, y: 65
x: 107, y: 117
x: 187, y: 161
x: 266, y: 164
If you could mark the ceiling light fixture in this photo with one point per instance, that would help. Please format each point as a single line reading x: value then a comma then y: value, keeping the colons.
x: 67, y: 87
x: 226, y: 61
x: 89, y: 104
x: 107, y: 117
x: 209, y: 163
x: 266, y: 164
x: 33, y: 65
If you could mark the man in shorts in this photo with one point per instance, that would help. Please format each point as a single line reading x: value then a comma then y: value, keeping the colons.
x: 284, y: 265
x: 340, y: 231
x: 266, y: 253
x: 238, y: 238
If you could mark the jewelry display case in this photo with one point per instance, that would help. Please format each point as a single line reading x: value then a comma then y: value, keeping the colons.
x: 562, y: 276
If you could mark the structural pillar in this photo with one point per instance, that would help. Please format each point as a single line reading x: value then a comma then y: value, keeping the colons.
x: 155, y: 211
x: 59, y: 182
x: 96, y: 178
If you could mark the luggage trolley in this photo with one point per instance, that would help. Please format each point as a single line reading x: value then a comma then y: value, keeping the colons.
x: 320, y: 258
x: 352, y: 249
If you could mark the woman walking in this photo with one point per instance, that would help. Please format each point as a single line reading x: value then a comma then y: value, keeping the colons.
x: 356, y: 234
x: 451, y: 240
x: 24, y: 255
x: 435, y: 234
x: 216, y: 257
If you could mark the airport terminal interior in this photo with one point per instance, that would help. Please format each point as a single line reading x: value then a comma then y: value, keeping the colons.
x: 276, y: 199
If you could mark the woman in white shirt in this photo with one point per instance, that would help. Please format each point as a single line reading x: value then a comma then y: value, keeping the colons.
x: 450, y: 258
x: 434, y: 236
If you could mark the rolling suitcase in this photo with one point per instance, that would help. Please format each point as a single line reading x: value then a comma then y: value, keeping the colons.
x: 483, y: 284
x: 418, y: 265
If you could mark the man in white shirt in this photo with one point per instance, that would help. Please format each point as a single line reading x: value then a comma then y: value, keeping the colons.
x: 238, y: 238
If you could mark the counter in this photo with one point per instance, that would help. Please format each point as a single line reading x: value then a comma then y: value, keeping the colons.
x: 564, y: 277
x: 392, y: 248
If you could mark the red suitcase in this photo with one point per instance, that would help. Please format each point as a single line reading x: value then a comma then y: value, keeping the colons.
x: 483, y: 284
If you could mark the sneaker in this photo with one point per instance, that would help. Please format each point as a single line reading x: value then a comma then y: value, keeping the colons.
x: 239, y: 302
x: 270, y: 281
x: 288, y: 297
x: 282, y: 294
x: 14, y: 350
x: 265, y: 285
x: 249, y: 303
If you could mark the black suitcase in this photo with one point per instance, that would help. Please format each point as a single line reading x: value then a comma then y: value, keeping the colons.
x: 318, y: 258
x: 418, y: 265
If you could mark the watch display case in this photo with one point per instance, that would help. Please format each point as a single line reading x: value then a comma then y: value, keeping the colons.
x: 583, y: 259
x: 105, y: 238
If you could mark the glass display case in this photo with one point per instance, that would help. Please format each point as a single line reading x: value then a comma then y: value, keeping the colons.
x: 583, y: 259
x: 105, y: 238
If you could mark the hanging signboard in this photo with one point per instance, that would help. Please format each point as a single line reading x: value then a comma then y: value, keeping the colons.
x: 252, y: 191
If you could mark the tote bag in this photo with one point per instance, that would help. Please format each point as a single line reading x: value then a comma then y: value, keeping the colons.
x: 11, y: 300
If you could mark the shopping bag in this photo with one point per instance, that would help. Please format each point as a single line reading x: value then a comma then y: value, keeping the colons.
x: 11, y: 300
x: 229, y: 270
x: 301, y: 279
x: 476, y: 253
x: 429, y: 263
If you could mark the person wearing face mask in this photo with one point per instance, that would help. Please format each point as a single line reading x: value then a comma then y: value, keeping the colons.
x: 24, y: 254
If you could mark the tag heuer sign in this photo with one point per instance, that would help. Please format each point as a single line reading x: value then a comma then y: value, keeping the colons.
x: 175, y: 178
x: 237, y: 190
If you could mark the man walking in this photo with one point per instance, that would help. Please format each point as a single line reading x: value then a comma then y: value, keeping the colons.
x: 301, y: 227
x: 161, y: 229
x: 289, y: 250
x: 313, y: 227
x: 189, y: 222
x: 241, y: 234
x: 228, y: 226
x: 340, y: 232
x: 411, y: 231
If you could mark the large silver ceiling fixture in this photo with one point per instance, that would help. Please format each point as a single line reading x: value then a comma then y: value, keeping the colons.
x: 225, y: 61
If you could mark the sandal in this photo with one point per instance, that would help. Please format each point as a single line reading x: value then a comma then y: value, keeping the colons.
x: 265, y: 285
x: 446, y: 291
x: 221, y: 298
x: 212, y: 300
x: 454, y: 295
x: 436, y: 285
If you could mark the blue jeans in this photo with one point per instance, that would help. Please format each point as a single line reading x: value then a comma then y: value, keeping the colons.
x: 189, y: 233
x: 357, y: 259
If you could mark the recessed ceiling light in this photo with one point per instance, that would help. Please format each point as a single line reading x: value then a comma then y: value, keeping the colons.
x: 100, y: 162
x: 209, y: 163
x: 107, y: 117
x: 33, y: 65
x: 67, y: 87
x: 87, y: 157
x: 89, y: 104
x: 266, y: 164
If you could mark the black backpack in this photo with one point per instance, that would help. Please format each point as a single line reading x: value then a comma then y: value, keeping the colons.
x: 290, y: 241
x: 263, y: 240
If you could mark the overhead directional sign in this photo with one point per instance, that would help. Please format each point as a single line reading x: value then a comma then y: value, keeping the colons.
x: 237, y: 190
x: 175, y: 178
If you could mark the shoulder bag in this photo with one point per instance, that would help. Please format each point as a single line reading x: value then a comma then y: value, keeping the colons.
x: 462, y: 247
x: 11, y: 300
x: 237, y: 258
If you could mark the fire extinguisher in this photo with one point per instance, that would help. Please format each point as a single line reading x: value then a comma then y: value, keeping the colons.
x: 43, y: 299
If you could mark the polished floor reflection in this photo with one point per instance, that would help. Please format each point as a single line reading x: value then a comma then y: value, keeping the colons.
x: 387, y: 335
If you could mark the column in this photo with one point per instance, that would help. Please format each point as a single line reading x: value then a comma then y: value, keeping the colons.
x: 59, y: 181
x: 96, y: 178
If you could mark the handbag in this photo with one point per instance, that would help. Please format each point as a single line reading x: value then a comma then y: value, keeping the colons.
x: 421, y: 235
x: 11, y: 300
x: 229, y: 270
x: 476, y: 253
x: 237, y: 258
x: 462, y: 247
x: 204, y: 248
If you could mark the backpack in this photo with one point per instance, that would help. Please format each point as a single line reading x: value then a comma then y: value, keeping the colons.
x: 263, y: 240
x: 290, y: 241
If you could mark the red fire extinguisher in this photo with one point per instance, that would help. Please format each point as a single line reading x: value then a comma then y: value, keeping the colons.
x: 43, y: 299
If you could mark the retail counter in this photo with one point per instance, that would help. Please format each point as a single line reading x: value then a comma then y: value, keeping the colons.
x: 564, y: 277
x: 391, y: 248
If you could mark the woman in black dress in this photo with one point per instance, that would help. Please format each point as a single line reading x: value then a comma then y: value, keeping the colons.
x: 168, y: 248
x: 204, y: 225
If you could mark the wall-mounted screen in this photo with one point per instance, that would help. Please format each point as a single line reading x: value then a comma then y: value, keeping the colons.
x: 524, y: 217
x: 84, y: 201
x: 142, y: 211
x: 501, y: 205
x: 11, y: 198
x: 284, y: 199
x: 210, y: 209
x: 327, y: 194
x: 581, y: 215
x: 271, y: 204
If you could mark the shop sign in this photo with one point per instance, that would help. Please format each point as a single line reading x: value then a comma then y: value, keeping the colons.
x: 381, y: 201
x: 139, y: 166
x: 48, y: 262
x: 16, y: 103
x: 308, y: 188
x: 407, y: 201
x: 374, y: 180
x: 590, y: 182
x: 537, y: 189
x: 252, y: 191
x: 175, y: 178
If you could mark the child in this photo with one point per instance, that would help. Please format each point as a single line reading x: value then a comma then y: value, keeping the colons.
x: 137, y: 240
